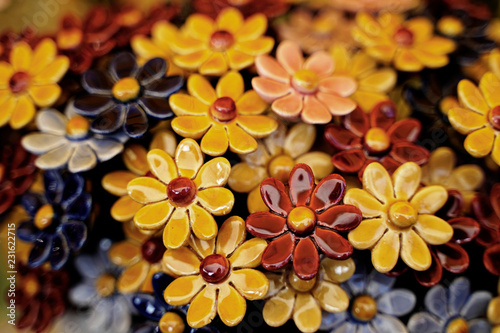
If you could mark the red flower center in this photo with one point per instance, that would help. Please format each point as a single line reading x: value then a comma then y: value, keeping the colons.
x: 224, y: 109
x: 153, y: 249
x: 494, y: 117
x: 301, y: 220
x: 221, y: 40
x: 181, y: 191
x: 404, y: 37
x: 214, y: 268
x: 19, y: 82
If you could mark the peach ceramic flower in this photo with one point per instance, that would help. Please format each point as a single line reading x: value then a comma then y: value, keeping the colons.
x: 410, y: 45
x: 30, y: 81
x: 478, y: 116
x: 399, y: 220
x: 216, y: 277
x: 212, y: 47
x: 304, y: 89
x: 183, y: 195
x: 223, y: 117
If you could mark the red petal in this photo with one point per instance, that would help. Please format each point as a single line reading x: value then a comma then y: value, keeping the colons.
x: 465, y: 229
x: 405, y: 130
x: 306, y: 259
x: 349, y: 160
x: 341, y: 218
x: 341, y: 138
x: 332, y: 244
x: 329, y: 192
x: 383, y: 115
x: 301, y: 183
x: 390, y: 164
x: 408, y: 152
x: 491, y: 259
x: 495, y: 198
x: 44, y: 319
x: 433, y: 275
x: 7, y: 196
x: 279, y: 252
x: 275, y: 196
x: 453, y: 257
x: 487, y: 219
x: 453, y: 206
x: 30, y: 315
x: 265, y: 225
x: 357, y: 122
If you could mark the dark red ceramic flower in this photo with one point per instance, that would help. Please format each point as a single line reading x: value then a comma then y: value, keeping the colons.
x: 363, y: 138
x: 270, y: 8
x: 9, y: 38
x: 304, y: 221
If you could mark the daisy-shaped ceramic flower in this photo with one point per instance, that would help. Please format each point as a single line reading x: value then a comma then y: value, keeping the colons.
x: 223, y: 117
x: 399, y: 220
x: 305, y: 89
x: 182, y: 195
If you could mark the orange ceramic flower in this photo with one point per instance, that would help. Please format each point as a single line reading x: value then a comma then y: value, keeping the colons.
x: 399, y: 220
x: 184, y: 194
x: 409, y: 44
x: 221, y: 117
x: 30, y: 80
x: 478, y: 116
x: 216, y: 276
x: 303, y: 89
x: 230, y: 42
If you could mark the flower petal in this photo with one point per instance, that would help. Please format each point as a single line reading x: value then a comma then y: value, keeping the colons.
x: 230, y: 85
x: 124, y: 253
x: 248, y: 254
x: 231, y: 20
x: 405, y: 60
x: 488, y: 85
x: 240, y: 141
x: 215, y: 141
x: 433, y: 229
x: 331, y: 297
x: 429, y: 199
x: 231, y: 306
x: 386, y: 323
x: 213, y: 173
x: 124, y: 209
x: 329, y: 191
x: 340, y: 218
x: 367, y: 234
x: 257, y: 126
x: 480, y: 143
x: 202, y: 223
x: 466, y: 121
x: 123, y: 65
x: 146, y: 190
x: 186, y: 105
x: 199, y: 87
x: 406, y: 180
x: 476, y: 305
x: 289, y: 56
x: 385, y: 254
x: 338, y: 105
x: 423, y: 321
x: 270, y: 68
x: 349, y: 161
x: 429, y: 59
x: 40, y: 143
x: 414, y: 251
x: 306, y: 313
x: 55, y: 159
x: 315, y: 112
x: 216, y: 64
x: 251, y: 283
x: 279, y: 252
x: 193, y: 127
x: 321, y: 63
x: 188, y: 158
x: 319, y: 162
x: 397, y: 302
x: 82, y: 159
x: 332, y: 244
x: 265, y: 225
x: 162, y: 165
x: 238, y: 60
x: 278, y: 309
x: 153, y: 216
x: 340, y: 85
x: 21, y: 56
x: 299, y: 140
x: 203, y: 308
x: 275, y: 196
x: 369, y: 206
x: 301, y: 183
x: 176, y: 232
x: 97, y: 82
x: 305, y: 259
x: 376, y: 181
x: 182, y: 290
x: 269, y: 89
x: 181, y: 261
x: 7, y: 108
x: 250, y: 103
x: 190, y: 61
x: 470, y: 97
x: 288, y: 106
x: 217, y: 200
x: 231, y: 234
x: 22, y: 113
x: 133, y: 277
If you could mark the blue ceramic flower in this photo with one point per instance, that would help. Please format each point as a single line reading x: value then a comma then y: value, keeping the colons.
x: 375, y: 305
x: 455, y: 309
x: 56, y: 226
x: 125, y: 95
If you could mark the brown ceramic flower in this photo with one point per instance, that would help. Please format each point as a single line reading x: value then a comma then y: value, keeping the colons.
x: 270, y: 8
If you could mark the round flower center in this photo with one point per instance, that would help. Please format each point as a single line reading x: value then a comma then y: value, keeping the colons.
x: 181, y: 191
x: 403, y: 37
x: 77, y: 127
x: 126, y: 89
x: 451, y: 26
x: 69, y: 38
x: 31, y: 286
x: 301, y: 220
x: 364, y: 308
x: 171, y: 322
x: 377, y: 140
x: 19, y: 82
x: 494, y: 117
x: 305, y: 81
x: 214, y: 268
x: 299, y: 284
x: 458, y: 325
x: 153, y: 249
x: 221, y: 40
x: 224, y: 109
x: 402, y: 214
x: 280, y: 167
x: 105, y: 285
x: 44, y: 216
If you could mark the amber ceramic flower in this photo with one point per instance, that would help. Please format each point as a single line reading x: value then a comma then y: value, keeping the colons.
x: 410, y: 45
x: 276, y: 156
x: 303, y: 89
x: 399, y: 220
x: 270, y: 8
x: 493, y: 312
x: 304, y: 221
x: 29, y: 81
x: 478, y: 116
x: 230, y: 42
x: 183, y: 195
x: 363, y: 138
x: 223, y: 117
x: 216, y: 276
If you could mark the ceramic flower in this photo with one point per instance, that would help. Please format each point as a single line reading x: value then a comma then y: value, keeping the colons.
x: 493, y: 312
x: 363, y: 138
x: 375, y: 305
x: 9, y: 38
x: 410, y: 45
x: 399, y: 220
x: 375, y: 5
x: 303, y: 300
x: 182, y: 195
x: 304, y: 221
x: 125, y: 96
x: 477, y: 117
x: 303, y: 89
x: 216, y: 276
x: 29, y: 81
x: 270, y: 8
x: 228, y: 43
x: 56, y: 225
x: 223, y: 117
x: 452, y: 309
x: 275, y: 157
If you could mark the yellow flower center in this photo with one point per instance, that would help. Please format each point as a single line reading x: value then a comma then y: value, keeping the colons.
x: 221, y: 40
x: 280, y: 166
x: 31, y: 286
x: 494, y: 117
x: 105, y: 285
x: 377, y: 140
x: 305, y: 81
x: 19, y: 82
x: 77, y: 127
x: 171, y: 322
x: 458, y: 325
x: 44, y: 216
x: 299, y: 284
x: 451, y: 26
x: 404, y: 37
x: 224, y: 109
x: 301, y: 220
x: 364, y: 308
x: 69, y: 38
x: 402, y: 214
x: 130, y: 18
x: 126, y: 89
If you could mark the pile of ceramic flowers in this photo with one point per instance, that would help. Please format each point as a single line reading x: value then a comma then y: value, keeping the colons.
x: 256, y: 148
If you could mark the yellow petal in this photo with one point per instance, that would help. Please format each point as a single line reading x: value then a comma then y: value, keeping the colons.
x: 192, y: 61
x: 255, y: 202
x: 22, y: 113
x: 146, y: 190
x: 383, y: 52
x: 199, y: 87
x: 495, y: 151
x: 386, y: 253
x: 186, y: 105
x: 429, y: 59
x: 367, y: 233
x: 46, y: 95
x: 470, y: 97
x: 306, y: 313
x: 229, y: 19
x: 193, y: 127
x: 241, y: 142
x: 319, y: 162
x: 256, y: 47
x: 203, y: 248
x: 230, y: 85
x: 177, y: 230
x: 433, y: 230
x: 421, y: 27
x: 338, y: 271
x: 406, y: 180
x: 53, y: 72
x: 231, y: 306
x: 133, y: 277
x: 331, y: 297
x: 251, y: 103
x: 253, y: 27
x: 124, y: 253
x: 480, y: 143
x: 6, y: 109
x: 116, y: 182
x: 414, y: 251
x: 216, y: 64
x: 124, y: 209
x: 21, y: 57
x: 199, y: 26
x: 182, y: 290
x: 438, y: 45
x: 489, y: 85
x: 469, y: 177
x: 258, y: 126
x: 135, y: 159
x: 248, y: 254
x: 203, y: 223
x: 181, y: 261
x: 299, y: 139
x: 213, y: 173
x: 153, y: 216
x: 465, y: 120
x: 215, y: 141
x: 238, y: 60
x: 44, y: 53
x: 429, y: 199
x: 377, y: 182
x: 369, y: 206
x: 441, y: 164
x: 367, y: 100
x: 251, y: 283
x: 382, y: 80
x: 405, y: 60
x: 147, y: 285
x: 145, y: 48
x: 6, y: 72
x: 231, y: 234
x: 202, y: 310
x: 278, y: 309
x: 217, y: 200
x: 188, y: 158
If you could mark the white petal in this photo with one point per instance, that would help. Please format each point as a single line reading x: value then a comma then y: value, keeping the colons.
x: 397, y: 302
x: 40, y: 143
x: 82, y: 294
x: 82, y: 159
x: 105, y: 149
x: 51, y: 121
x: 476, y: 305
x: 56, y: 158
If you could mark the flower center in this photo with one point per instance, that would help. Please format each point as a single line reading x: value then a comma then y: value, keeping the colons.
x: 280, y: 167
x: 402, y: 214
x: 19, y: 82
x: 403, y: 37
x: 364, y: 308
x: 181, y: 191
x: 224, y: 109
x: 214, y: 268
x: 305, y: 81
x: 126, y: 89
x: 450, y: 26
x: 299, y: 284
x: 69, y: 38
x: 377, y: 140
x: 105, y: 285
x: 458, y: 325
x: 31, y: 286
x: 171, y: 322
x: 221, y: 40
x: 494, y: 117
x: 44, y: 216
x: 301, y: 220
x: 153, y: 249
x: 77, y: 127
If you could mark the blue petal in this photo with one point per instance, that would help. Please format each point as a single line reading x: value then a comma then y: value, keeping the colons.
x: 156, y: 107
x: 27, y: 231
x: 476, y: 305
x: 75, y: 233
x: 435, y: 301
x: 60, y: 251
x: 479, y: 326
x: 145, y: 328
x: 147, y: 306
x: 459, y: 291
x: 97, y: 82
x: 41, y: 250
x: 160, y: 282
x: 366, y: 328
x: 379, y: 284
x: 164, y: 86
x: 110, y: 120
x: 123, y: 65
x: 73, y: 188
x: 83, y: 294
x: 54, y: 186
x: 136, y: 122
x: 330, y: 320
x: 79, y: 209
x: 423, y: 322
x: 152, y: 70
x: 357, y: 283
x: 347, y: 327
x: 92, y: 105
x: 89, y: 266
x: 32, y: 202
x: 397, y: 302
x: 385, y: 323
x: 121, y: 317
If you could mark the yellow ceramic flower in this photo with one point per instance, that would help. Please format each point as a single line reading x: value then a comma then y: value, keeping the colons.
x: 478, y: 116
x: 212, y: 47
x: 182, y: 195
x: 222, y: 117
x: 399, y: 220
x: 373, y: 82
x: 494, y: 312
x: 303, y: 300
x: 217, y: 276
x: 30, y: 80
x: 409, y: 44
